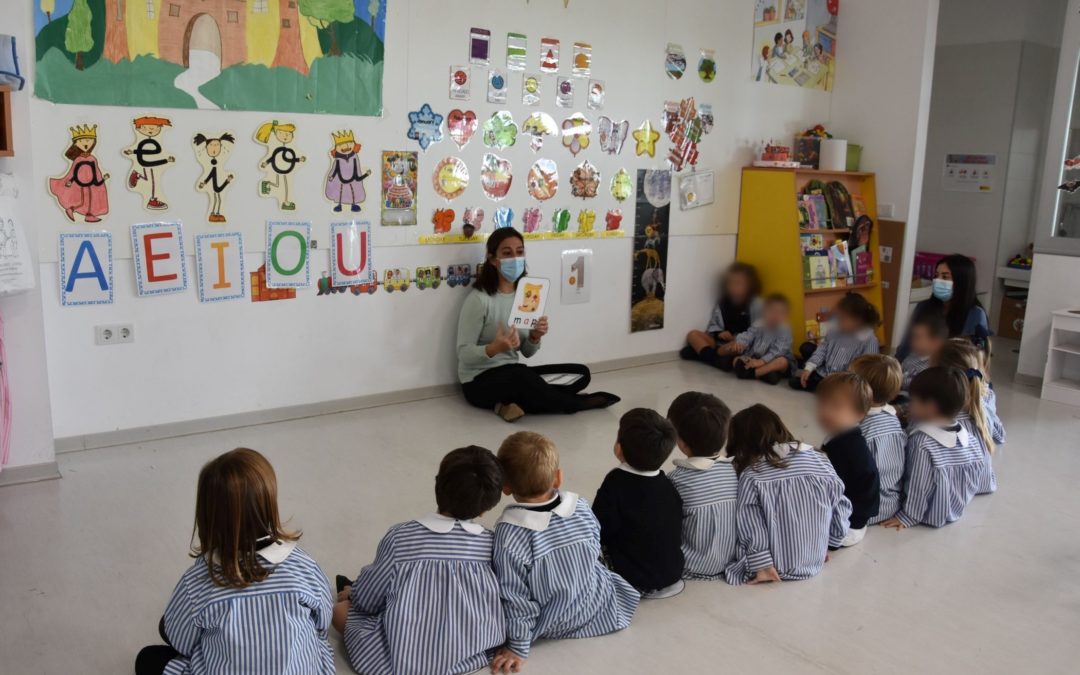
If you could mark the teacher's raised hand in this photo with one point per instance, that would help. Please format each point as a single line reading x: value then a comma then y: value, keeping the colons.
x: 539, y: 331
x: 506, y: 339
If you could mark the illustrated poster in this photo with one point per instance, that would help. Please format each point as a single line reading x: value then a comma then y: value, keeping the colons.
x: 795, y: 42
x: 651, y: 218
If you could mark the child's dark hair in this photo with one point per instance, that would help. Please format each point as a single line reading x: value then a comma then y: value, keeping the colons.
x: 488, y: 278
x: 946, y: 387
x: 236, y: 514
x: 469, y: 483
x: 847, y: 384
x: 646, y: 439
x: 777, y: 298
x: 701, y: 422
x: 858, y: 307
x: 753, y: 281
x: 934, y: 323
x: 752, y: 435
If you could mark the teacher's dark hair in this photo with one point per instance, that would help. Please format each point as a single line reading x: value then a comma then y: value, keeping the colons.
x: 488, y: 279
x: 963, y: 296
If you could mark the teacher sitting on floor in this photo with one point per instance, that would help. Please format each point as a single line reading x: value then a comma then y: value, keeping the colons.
x: 954, y: 299
x: 487, y: 348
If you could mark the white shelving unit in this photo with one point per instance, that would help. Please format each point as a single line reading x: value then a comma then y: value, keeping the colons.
x: 1061, y: 380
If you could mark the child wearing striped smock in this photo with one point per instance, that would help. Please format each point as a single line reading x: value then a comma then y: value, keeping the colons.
x: 791, y: 505
x: 707, y: 483
x: 430, y: 601
x: 945, y: 464
x: 252, y: 602
x: 547, y: 557
x: 881, y: 428
x: 979, y: 414
x: 927, y: 334
x: 737, y: 309
x: 763, y: 351
x: 852, y: 337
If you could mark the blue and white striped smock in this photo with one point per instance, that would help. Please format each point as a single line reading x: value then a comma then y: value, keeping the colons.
x: 988, y: 481
x: 277, y: 625
x: 428, y: 604
x: 765, y: 344
x: 788, y: 517
x: 708, y: 487
x: 912, y: 365
x: 997, y: 429
x: 944, y: 469
x: 838, y: 350
x: 888, y: 444
x: 553, y: 583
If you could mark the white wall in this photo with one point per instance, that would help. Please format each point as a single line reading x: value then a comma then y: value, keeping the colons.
x: 882, y: 102
x: 24, y: 332
x: 981, y: 21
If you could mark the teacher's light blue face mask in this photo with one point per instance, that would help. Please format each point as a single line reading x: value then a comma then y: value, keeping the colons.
x: 512, y: 268
x: 942, y: 289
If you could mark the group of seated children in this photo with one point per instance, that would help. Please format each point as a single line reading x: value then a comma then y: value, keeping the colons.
x: 747, y: 502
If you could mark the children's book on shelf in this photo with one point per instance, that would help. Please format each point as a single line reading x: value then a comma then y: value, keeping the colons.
x: 863, y: 261
x: 811, y: 243
x: 819, y: 270
x: 817, y: 211
x: 859, y: 205
x: 841, y: 260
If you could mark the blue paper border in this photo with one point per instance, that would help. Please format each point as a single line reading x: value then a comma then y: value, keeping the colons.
x: 242, y: 294
x: 63, y: 267
x: 137, y: 259
x: 294, y: 224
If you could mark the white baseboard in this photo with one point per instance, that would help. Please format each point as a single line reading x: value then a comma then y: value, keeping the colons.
x: 200, y: 426
x: 29, y: 473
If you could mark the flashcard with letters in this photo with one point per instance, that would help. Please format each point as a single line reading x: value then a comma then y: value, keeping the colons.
x: 158, y: 253
x: 288, y: 258
x: 219, y: 264
x: 529, y: 302
x: 350, y: 253
x: 86, y: 268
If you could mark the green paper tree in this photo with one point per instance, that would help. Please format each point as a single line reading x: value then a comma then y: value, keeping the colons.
x: 77, y: 37
x: 327, y: 14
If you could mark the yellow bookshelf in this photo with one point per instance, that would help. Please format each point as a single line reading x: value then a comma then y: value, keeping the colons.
x: 769, y: 239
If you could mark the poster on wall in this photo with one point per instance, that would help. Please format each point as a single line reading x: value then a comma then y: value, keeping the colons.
x: 86, y: 268
x: 651, y: 217
x: 219, y: 263
x: 399, y: 187
x: 267, y: 55
x: 576, y: 276
x: 969, y: 173
x: 795, y: 42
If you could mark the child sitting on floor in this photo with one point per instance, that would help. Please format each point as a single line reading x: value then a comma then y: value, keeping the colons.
x: 547, y: 557
x: 763, y: 351
x: 252, y: 602
x: 791, y: 506
x: 394, y: 617
x: 707, y: 483
x: 853, y: 336
x: 843, y: 401
x: 735, y: 311
x: 945, y: 463
x: 979, y: 415
x: 927, y: 334
x: 882, y: 429
x: 639, y: 510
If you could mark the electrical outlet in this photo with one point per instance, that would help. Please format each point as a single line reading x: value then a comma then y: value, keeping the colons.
x: 114, y: 334
x: 886, y: 210
x: 125, y: 333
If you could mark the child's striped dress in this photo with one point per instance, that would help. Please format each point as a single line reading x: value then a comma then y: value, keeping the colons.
x: 997, y: 429
x: 277, y: 625
x: 708, y: 487
x: 428, y: 604
x: 767, y: 345
x: 838, y: 350
x: 944, y: 469
x: 913, y: 365
x: 553, y: 583
x: 887, y: 441
x: 788, y: 517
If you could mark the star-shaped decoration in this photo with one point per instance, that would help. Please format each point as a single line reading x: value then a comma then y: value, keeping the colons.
x: 425, y: 126
x: 646, y: 138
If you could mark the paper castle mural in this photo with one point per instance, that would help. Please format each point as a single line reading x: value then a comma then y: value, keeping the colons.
x: 264, y: 55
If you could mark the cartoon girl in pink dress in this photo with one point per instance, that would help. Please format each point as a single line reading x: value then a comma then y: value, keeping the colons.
x: 82, y: 189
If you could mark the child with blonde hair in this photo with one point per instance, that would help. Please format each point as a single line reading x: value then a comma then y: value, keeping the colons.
x: 547, y: 557
x: 978, y: 415
x: 882, y: 429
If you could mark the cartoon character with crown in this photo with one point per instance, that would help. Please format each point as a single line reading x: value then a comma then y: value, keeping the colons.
x: 345, y: 182
x: 82, y: 190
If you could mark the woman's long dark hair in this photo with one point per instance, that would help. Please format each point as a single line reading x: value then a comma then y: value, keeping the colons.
x: 488, y: 279
x: 752, y: 434
x: 963, y: 294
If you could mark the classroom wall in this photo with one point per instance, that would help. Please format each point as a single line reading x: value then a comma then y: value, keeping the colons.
x: 982, y: 21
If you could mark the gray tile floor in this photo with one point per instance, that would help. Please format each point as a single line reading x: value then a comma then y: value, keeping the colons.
x: 89, y: 561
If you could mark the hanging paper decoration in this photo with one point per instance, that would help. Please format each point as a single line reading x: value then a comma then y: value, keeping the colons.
x: 582, y: 59
x: 613, y: 220
x: 564, y: 93
x: 576, y: 274
x: 585, y: 181
x: 549, y: 55
x: 705, y: 114
x: 397, y: 279
x: 612, y: 134
x: 82, y: 191
x: 707, y: 65
x: 429, y: 276
x: 647, y: 291
x: 459, y: 274
x: 575, y: 133
x: 516, y: 51
x: 86, y: 268
x: 497, y: 86
x: 279, y: 163
x: 675, y: 61
x: 425, y: 126
x: 597, y: 92
x: 344, y: 185
x: 586, y: 221
x: 560, y: 221
x: 159, y: 259
x: 219, y: 263
x: 530, y: 220
x: 149, y: 161
x: 288, y: 258
x: 500, y: 131
x: 472, y: 221
x: 622, y: 186
x: 479, y: 46
x: 462, y: 126
x: 496, y: 175
x: 211, y: 152
x: 1070, y: 186
x: 460, y: 83
x: 696, y: 189
x: 399, y: 183
x: 504, y: 217
x: 450, y: 178
x: 443, y: 220
x: 538, y: 125
x: 543, y: 179
x: 646, y: 138
x: 530, y: 89
x: 686, y: 132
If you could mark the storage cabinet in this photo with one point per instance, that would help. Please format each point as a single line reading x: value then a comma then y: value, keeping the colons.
x: 1061, y: 380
